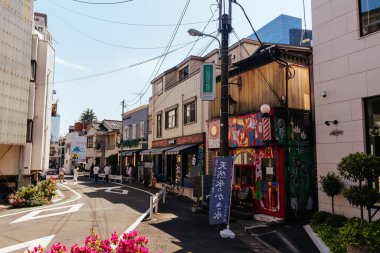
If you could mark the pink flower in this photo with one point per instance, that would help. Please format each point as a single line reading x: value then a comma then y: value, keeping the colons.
x: 114, y: 238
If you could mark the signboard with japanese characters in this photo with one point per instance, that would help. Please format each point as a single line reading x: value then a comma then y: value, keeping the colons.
x: 220, y: 190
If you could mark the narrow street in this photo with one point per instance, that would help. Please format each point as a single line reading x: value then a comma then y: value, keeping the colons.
x: 107, y: 208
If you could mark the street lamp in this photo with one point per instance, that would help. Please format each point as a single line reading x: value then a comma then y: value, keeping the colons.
x: 225, y: 29
x: 196, y: 33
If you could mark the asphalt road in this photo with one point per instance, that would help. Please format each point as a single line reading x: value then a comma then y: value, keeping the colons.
x: 69, y: 223
x: 91, y: 205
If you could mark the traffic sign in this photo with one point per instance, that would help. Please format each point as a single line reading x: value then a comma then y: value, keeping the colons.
x: 208, y: 81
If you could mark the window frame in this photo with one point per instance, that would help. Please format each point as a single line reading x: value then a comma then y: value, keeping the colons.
x: 185, y: 116
x: 159, y: 125
x: 29, y: 131
x: 142, y: 129
x: 90, y: 142
x: 183, y: 73
x: 134, y: 132
x: 167, y: 117
x: 361, y: 22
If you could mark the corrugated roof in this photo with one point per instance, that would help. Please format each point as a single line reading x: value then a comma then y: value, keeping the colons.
x: 112, y: 124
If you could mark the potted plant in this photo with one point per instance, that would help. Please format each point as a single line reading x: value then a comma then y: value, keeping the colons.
x: 332, y: 186
x: 361, y: 168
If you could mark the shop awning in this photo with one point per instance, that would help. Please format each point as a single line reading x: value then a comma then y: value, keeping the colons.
x: 147, y: 151
x: 128, y: 153
x: 176, y: 150
x: 159, y: 151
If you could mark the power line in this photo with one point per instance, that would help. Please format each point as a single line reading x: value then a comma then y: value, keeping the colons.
x: 106, y: 42
x: 148, y: 84
x: 119, y: 2
x: 127, y: 23
x: 122, y: 68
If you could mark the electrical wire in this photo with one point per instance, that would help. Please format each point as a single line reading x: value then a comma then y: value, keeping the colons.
x: 291, y: 71
x: 106, y: 42
x: 261, y: 74
x: 304, y: 20
x: 160, y: 62
x: 122, y: 68
x: 126, y: 23
x: 101, y: 3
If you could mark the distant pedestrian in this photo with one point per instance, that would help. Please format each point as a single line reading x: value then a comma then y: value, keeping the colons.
x: 107, y: 171
x: 61, y: 174
x: 96, y: 172
x: 92, y: 170
x: 76, y: 172
x: 130, y: 174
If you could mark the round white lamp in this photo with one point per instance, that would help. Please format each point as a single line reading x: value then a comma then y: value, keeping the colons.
x: 265, y: 109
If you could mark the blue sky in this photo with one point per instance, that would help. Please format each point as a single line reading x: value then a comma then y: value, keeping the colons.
x: 82, y: 46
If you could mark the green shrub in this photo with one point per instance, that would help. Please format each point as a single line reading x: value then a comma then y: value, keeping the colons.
x: 48, y: 187
x: 336, y: 220
x: 320, y: 217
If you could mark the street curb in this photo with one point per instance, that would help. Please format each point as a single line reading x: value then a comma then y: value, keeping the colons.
x: 266, y: 244
x: 322, y: 247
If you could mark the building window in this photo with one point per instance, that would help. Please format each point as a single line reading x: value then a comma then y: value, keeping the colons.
x: 189, y: 112
x: 133, y: 131
x: 171, y: 118
x: 369, y: 14
x: 159, y: 88
x: 29, y: 131
x: 126, y: 133
x: 90, y: 142
x: 372, y: 110
x: 184, y: 73
x: 159, y: 125
x: 142, y: 128
x: 150, y: 124
x: 33, y: 70
x: 372, y: 119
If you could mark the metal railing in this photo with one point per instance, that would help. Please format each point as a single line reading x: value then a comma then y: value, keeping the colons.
x: 154, y: 201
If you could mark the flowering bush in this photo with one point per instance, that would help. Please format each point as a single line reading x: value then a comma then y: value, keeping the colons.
x: 127, y: 243
x: 34, y: 195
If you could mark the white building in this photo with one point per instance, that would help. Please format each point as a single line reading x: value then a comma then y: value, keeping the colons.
x: 75, y: 150
x: 25, y: 94
x: 347, y: 89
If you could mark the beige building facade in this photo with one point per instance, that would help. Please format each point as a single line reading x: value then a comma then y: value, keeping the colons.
x: 26, y: 91
x: 346, y: 42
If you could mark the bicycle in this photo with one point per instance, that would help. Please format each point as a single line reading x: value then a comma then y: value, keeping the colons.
x: 174, y: 187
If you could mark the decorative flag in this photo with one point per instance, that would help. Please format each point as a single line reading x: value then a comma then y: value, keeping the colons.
x: 220, y: 190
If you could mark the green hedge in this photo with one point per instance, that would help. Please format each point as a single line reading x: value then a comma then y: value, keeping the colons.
x: 338, y: 232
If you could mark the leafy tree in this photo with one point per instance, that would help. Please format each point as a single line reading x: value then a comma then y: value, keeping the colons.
x: 363, y: 169
x: 88, y: 116
x: 332, y: 186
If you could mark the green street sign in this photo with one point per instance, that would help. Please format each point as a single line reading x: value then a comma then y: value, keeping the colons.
x: 208, y: 81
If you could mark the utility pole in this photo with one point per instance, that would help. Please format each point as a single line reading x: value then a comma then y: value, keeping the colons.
x: 122, y: 136
x: 224, y: 28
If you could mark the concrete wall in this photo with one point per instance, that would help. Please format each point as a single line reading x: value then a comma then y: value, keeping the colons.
x: 347, y: 67
x: 15, y: 53
x: 43, y: 106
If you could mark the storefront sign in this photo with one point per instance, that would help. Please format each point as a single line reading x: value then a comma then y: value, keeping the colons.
x: 213, y: 134
x: 220, y: 190
x: 208, y: 81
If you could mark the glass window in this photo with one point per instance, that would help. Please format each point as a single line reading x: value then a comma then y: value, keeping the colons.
x: 171, y: 118
x: 369, y: 15
x: 372, y: 117
x: 29, y: 131
x: 189, y: 113
x: 90, y: 142
x: 142, y: 126
x: 126, y: 133
x: 184, y: 73
x: 159, y: 125
x: 134, y: 131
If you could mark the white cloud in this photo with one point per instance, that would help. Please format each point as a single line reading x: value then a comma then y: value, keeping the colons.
x: 71, y: 65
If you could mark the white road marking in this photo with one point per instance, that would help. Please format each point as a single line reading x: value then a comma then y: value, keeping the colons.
x: 117, y: 191
x: 59, y: 197
x: 78, y: 196
x: 44, y: 242
x: 34, y: 214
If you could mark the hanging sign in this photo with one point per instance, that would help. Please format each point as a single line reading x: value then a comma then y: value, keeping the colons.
x: 220, y: 190
x: 208, y: 80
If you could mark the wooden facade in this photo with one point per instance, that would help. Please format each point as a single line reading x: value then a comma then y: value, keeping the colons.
x: 263, y: 81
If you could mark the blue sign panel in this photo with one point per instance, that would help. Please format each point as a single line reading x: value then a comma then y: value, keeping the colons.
x: 220, y: 190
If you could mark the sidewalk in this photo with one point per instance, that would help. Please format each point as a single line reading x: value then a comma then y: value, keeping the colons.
x: 191, y: 232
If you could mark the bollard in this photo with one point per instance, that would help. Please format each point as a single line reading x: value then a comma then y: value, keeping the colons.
x: 151, y: 207
x: 156, y: 200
